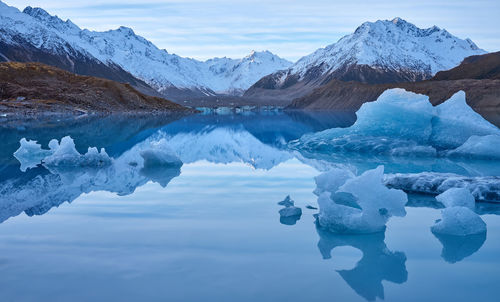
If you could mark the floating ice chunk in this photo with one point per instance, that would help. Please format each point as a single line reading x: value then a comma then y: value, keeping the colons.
x: 459, y: 221
x: 483, y: 188
x: 290, y: 211
x: 64, y: 154
x: 331, y: 181
x: 287, y: 202
x: 361, y: 205
x: 372, y: 194
x: 457, y: 197
x: 456, y: 122
x: 30, y: 154
x: 487, y: 147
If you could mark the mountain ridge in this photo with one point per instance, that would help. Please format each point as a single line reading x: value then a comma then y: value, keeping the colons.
x: 35, y: 35
x: 378, y: 52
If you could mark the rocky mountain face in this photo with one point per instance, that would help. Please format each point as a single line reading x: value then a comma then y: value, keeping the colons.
x: 474, y: 67
x: 35, y: 35
x: 376, y: 53
x: 36, y: 88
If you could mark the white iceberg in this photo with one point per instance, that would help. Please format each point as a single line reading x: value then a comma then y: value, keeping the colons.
x: 362, y: 204
x: 64, y: 154
x: 30, y: 154
x: 331, y: 181
x: 459, y: 221
x: 457, y: 197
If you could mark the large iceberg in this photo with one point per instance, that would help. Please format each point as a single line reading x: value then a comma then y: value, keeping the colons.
x: 401, y: 123
x: 357, y: 204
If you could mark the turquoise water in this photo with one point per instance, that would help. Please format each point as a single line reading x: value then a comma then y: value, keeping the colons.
x: 210, y: 230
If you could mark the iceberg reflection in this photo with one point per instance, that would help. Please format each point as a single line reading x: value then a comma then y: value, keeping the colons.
x: 457, y: 248
x: 377, y: 264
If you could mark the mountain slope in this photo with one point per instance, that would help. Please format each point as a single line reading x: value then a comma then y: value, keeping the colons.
x: 24, y: 39
x: 35, y: 34
x: 35, y: 87
x: 377, y: 52
x: 474, y: 67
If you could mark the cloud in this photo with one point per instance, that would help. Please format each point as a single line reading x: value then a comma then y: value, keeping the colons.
x: 292, y: 28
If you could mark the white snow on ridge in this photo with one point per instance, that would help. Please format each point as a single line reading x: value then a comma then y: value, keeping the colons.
x: 137, y: 55
x: 391, y: 44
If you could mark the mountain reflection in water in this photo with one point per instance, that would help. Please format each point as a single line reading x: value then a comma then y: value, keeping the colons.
x: 259, y: 140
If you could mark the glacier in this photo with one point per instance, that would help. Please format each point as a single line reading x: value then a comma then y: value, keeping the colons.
x: 402, y: 123
x: 357, y: 204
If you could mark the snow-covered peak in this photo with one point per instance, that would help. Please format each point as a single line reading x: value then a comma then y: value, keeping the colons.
x: 51, y: 21
x: 392, y: 44
x: 135, y: 54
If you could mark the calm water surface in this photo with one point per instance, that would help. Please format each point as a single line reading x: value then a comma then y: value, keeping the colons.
x: 210, y: 230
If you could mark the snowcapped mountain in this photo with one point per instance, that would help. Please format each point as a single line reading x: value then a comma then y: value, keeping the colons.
x: 48, y: 39
x: 378, y: 52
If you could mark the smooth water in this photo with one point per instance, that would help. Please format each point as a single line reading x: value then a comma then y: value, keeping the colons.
x: 210, y: 231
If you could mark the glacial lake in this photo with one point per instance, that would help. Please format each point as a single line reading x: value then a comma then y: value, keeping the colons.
x: 210, y: 230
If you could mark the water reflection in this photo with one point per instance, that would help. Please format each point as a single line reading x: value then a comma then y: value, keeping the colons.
x: 377, y: 264
x: 456, y: 248
x: 258, y: 140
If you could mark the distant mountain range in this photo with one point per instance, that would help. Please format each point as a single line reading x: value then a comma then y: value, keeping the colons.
x: 381, y: 52
x: 121, y: 55
x: 377, y: 52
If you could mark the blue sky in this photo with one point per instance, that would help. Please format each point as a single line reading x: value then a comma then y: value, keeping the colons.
x: 290, y: 28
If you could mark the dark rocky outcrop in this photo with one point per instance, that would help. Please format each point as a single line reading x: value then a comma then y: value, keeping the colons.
x: 35, y: 87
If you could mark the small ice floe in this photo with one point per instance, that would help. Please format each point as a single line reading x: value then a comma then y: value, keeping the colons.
x: 311, y: 207
x: 459, y: 221
x: 30, y: 154
x: 64, y: 154
x: 457, y: 197
x: 290, y: 214
x: 458, y: 218
x: 357, y: 204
